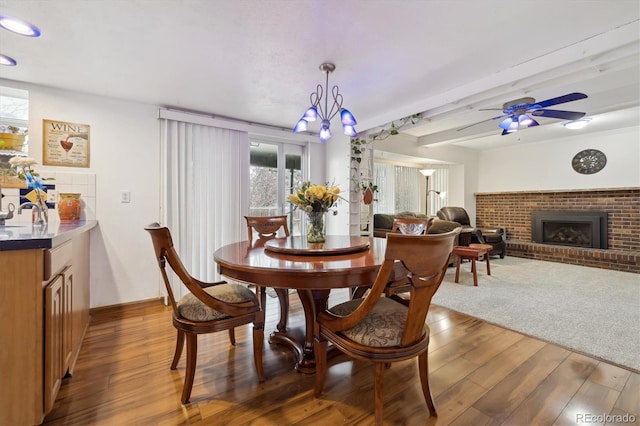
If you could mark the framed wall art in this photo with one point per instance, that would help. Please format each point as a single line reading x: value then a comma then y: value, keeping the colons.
x: 65, y: 144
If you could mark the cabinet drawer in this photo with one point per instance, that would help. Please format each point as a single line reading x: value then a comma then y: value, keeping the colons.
x: 57, y: 258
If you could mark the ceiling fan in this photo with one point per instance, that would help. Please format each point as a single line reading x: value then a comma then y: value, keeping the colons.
x: 517, y: 114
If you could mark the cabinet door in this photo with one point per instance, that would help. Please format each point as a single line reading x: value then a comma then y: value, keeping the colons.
x: 54, y: 338
x: 67, y: 320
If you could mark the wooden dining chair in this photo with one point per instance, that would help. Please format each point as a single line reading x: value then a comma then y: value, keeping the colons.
x: 407, y: 226
x: 380, y: 329
x: 207, y: 308
x: 411, y: 225
x: 266, y: 228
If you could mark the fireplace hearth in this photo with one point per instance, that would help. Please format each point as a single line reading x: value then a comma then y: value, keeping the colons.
x: 586, y: 229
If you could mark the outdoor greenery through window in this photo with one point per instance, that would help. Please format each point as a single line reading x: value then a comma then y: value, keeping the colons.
x: 14, y: 122
x: 271, y: 181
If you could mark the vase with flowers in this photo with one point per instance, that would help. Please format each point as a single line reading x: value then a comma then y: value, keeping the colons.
x: 315, y: 201
x: 38, y: 196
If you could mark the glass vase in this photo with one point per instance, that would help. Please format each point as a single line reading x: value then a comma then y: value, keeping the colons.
x: 315, y: 227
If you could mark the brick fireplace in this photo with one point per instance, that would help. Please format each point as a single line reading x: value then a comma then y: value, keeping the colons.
x: 516, y: 210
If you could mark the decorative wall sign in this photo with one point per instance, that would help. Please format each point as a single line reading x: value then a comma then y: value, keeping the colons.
x: 589, y: 161
x: 65, y: 144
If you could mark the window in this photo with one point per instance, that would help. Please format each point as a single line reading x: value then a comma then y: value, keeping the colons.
x: 14, y: 122
x: 399, y: 188
x: 406, y: 189
x: 275, y: 169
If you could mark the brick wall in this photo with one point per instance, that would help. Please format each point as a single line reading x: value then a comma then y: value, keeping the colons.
x: 512, y: 210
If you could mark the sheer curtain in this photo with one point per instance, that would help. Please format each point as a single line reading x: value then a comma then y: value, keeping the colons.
x: 399, y: 188
x: 205, y: 174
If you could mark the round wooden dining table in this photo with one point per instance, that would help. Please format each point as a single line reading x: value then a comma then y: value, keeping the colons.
x: 313, y: 269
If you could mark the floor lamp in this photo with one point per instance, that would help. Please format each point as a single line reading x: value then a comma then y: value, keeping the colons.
x: 441, y: 194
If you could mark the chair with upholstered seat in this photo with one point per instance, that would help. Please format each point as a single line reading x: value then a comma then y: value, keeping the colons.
x: 266, y: 228
x: 207, y: 308
x: 383, y: 330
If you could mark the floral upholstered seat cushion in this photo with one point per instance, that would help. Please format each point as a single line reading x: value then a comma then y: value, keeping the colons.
x: 383, y: 327
x: 190, y: 307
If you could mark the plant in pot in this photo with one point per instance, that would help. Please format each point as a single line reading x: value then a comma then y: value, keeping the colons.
x: 368, y: 192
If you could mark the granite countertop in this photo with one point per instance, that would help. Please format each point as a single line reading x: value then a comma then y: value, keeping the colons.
x: 23, y: 236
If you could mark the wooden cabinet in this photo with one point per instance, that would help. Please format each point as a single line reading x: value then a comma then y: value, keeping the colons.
x: 54, y: 321
x: 44, y: 313
x: 58, y: 332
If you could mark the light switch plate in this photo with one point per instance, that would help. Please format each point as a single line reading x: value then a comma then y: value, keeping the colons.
x: 125, y: 197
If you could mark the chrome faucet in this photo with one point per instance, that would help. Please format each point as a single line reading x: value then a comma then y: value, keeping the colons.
x: 8, y: 214
x: 40, y: 220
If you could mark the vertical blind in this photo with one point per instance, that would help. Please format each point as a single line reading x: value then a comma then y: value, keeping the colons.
x: 399, y: 188
x: 204, y: 174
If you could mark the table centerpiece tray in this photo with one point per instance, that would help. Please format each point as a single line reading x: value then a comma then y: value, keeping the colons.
x: 333, y: 245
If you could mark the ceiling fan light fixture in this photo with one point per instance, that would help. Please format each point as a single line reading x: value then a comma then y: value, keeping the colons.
x: 577, y: 124
x: 513, y: 126
x: 525, y: 120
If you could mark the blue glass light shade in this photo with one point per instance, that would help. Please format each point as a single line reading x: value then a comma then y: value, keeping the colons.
x: 301, y: 126
x: 6, y: 60
x: 350, y: 131
x: 18, y: 26
x: 311, y: 114
x: 525, y: 120
x: 513, y: 127
x: 325, y: 133
x: 347, y: 118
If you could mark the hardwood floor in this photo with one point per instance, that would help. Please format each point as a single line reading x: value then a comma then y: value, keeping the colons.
x: 481, y: 374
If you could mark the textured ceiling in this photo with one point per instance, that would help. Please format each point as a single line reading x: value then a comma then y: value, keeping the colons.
x: 257, y: 60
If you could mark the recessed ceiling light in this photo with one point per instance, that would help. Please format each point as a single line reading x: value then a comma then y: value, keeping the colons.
x: 19, y: 26
x: 5, y: 60
x: 577, y: 124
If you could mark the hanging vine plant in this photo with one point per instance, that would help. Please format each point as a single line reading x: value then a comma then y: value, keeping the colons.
x: 359, y: 147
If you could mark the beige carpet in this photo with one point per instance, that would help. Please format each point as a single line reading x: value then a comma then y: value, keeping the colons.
x: 590, y: 310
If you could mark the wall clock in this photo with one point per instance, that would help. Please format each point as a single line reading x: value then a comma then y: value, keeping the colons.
x: 589, y: 161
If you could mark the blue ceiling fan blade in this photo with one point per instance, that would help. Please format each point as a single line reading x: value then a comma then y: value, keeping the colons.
x: 563, y: 115
x: 559, y: 100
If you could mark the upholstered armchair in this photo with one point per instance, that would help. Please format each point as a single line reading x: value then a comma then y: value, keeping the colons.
x: 494, y: 236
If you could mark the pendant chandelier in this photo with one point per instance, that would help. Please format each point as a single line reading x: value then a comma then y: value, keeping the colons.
x: 317, y: 111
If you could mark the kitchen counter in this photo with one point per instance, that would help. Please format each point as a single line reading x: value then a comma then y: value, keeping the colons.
x: 23, y: 236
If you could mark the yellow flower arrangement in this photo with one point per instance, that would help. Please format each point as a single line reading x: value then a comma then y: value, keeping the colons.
x: 315, y: 198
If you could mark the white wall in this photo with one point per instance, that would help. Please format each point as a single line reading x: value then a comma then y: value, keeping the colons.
x: 124, y: 156
x: 337, y: 152
x: 536, y: 166
x: 547, y: 165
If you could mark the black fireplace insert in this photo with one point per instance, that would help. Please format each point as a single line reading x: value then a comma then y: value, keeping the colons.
x: 570, y: 228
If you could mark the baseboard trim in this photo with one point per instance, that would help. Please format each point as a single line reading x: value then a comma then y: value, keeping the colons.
x: 122, y: 310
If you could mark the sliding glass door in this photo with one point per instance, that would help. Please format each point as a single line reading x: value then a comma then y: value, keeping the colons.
x: 275, y: 168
